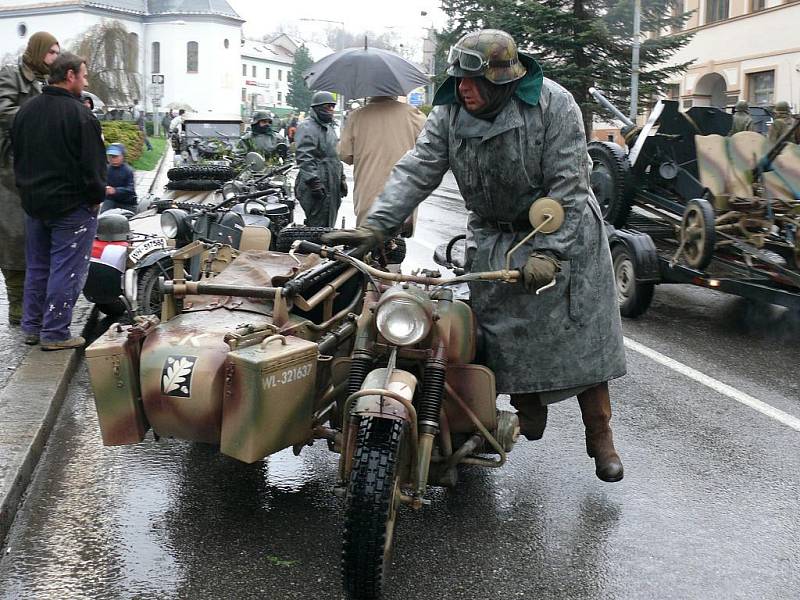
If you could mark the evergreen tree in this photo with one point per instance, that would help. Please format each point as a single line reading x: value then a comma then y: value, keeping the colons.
x: 299, y: 95
x: 581, y: 44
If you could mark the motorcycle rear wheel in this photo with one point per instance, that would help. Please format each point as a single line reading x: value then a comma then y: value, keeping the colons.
x: 373, y: 496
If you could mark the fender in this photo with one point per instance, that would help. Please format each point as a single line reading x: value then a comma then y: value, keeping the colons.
x: 642, y: 249
x: 152, y: 258
x: 400, y: 382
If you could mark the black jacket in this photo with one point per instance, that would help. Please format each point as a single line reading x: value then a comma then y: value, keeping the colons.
x: 59, y: 155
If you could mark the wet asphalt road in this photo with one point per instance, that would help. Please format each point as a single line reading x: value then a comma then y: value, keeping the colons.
x: 708, y: 507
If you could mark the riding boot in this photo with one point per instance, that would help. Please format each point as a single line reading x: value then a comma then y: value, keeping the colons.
x: 531, y: 414
x: 596, y: 413
x: 15, y: 283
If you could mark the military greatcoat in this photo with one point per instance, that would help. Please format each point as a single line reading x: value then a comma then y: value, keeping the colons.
x: 316, y: 156
x: 17, y: 85
x: 570, y: 335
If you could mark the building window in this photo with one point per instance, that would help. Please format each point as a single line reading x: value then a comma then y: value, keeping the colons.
x: 226, y: 43
x: 254, y: 71
x: 760, y: 87
x: 244, y: 95
x: 22, y: 30
x: 280, y: 75
x: 716, y: 10
x: 192, y: 57
x: 244, y: 70
x: 132, y: 59
x: 280, y: 97
x: 155, y: 55
x: 672, y: 91
x: 267, y: 72
x: 757, y: 5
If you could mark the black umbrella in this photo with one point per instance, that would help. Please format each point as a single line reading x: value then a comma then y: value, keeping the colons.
x: 363, y: 72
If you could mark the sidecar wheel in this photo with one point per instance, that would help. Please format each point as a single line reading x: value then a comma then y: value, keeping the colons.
x: 149, y: 298
x: 371, y: 508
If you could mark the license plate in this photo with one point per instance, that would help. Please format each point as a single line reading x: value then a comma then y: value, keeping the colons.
x: 146, y: 248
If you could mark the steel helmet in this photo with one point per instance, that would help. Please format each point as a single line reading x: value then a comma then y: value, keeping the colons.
x: 742, y: 106
x: 490, y: 53
x: 112, y: 227
x: 321, y: 98
x: 261, y: 115
x: 782, y: 108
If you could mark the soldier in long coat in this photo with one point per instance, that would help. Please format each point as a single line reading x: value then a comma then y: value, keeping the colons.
x: 320, y: 183
x: 18, y: 83
x: 511, y: 136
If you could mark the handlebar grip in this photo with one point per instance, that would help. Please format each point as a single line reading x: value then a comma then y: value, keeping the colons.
x: 306, y: 247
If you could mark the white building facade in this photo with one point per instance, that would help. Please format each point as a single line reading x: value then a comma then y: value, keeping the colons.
x: 265, y: 71
x: 743, y: 49
x: 193, y: 45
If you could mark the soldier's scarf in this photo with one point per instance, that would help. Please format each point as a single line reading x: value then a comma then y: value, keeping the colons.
x: 38, y: 47
x: 322, y: 115
x: 259, y: 129
x: 496, y: 96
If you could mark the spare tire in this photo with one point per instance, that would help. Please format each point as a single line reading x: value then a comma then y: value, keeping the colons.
x: 195, y: 185
x: 612, y: 181
x: 290, y: 234
x: 215, y: 172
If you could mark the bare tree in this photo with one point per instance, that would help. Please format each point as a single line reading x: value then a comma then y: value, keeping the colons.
x: 112, y: 59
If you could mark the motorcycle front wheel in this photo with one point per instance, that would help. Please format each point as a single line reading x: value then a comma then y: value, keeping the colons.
x: 373, y: 496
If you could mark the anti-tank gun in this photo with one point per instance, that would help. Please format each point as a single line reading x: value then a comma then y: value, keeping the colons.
x: 716, y: 196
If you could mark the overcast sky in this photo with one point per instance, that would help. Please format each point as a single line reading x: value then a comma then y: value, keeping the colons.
x: 402, y: 17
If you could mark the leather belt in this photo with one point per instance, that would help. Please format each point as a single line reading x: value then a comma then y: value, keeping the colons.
x: 518, y: 226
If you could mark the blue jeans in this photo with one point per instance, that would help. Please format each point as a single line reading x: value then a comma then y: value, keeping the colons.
x: 57, y: 253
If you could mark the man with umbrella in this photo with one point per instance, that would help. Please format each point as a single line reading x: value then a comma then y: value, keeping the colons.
x: 511, y: 136
x: 320, y: 182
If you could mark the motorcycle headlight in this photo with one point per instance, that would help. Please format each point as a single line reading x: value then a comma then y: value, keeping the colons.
x: 173, y: 223
x: 403, y: 320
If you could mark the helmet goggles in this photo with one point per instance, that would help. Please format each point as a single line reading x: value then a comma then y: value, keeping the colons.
x: 474, y: 62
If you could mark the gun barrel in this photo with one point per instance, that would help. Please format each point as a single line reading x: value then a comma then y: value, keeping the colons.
x: 603, y: 101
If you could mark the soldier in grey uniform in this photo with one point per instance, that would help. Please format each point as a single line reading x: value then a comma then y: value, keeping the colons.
x: 511, y: 136
x: 320, y: 183
x: 18, y: 83
x: 742, y: 121
x: 261, y: 138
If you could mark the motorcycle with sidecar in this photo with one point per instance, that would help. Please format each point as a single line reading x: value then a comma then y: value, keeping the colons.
x: 279, y: 350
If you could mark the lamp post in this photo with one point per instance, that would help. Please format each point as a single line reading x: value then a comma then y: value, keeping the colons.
x: 637, y: 15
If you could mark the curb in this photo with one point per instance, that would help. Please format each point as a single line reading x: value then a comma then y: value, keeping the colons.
x: 159, y: 168
x: 29, y: 404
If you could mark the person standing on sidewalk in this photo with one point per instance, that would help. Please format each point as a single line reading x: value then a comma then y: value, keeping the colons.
x: 60, y: 168
x: 18, y: 83
x: 375, y: 137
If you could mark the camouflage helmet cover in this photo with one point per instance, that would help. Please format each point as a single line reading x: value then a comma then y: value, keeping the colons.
x: 260, y: 115
x: 742, y: 106
x: 496, y: 51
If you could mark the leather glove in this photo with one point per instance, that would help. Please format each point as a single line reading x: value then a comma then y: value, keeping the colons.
x: 343, y: 189
x: 364, y: 238
x: 317, y: 191
x: 540, y: 270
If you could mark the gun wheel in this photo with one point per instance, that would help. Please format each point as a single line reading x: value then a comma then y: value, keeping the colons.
x: 698, y: 236
x: 612, y: 181
x: 373, y: 496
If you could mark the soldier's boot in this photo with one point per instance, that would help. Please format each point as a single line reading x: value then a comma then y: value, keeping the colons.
x: 596, y: 413
x: 531, y: 414
x: 15, y: 285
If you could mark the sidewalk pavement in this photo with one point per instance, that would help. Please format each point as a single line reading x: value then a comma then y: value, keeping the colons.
x: 33, y: 385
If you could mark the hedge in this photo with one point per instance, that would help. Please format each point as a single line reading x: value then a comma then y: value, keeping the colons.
x: 127, y: 133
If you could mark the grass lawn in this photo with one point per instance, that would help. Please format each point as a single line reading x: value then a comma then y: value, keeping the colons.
x: 149, y: 159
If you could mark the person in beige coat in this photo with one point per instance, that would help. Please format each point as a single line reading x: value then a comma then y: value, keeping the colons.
x: 374, y: 138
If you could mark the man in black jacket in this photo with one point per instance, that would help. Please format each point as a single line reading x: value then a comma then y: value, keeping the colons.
x: 60, y: 170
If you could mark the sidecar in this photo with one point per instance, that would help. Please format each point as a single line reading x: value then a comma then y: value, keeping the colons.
x: 251, y: 374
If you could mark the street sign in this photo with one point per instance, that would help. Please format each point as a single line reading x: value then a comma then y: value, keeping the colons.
x: 159, y: 79
x: 415, y: 99
x: 156, y: 90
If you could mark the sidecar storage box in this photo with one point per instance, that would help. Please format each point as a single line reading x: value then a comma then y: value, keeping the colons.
x: 113, y: 361
x: 268, y: 402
